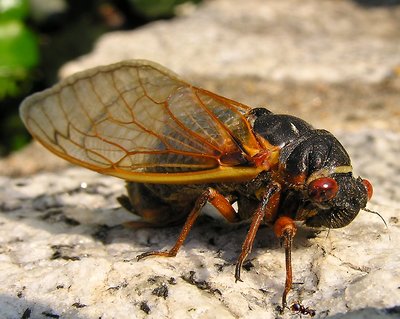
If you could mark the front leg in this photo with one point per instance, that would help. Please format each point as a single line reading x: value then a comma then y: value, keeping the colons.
x: 285, y: 229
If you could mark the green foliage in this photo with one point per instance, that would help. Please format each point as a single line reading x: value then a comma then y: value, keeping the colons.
x: 13, y: 9
x: 153, y: 9
x: 18, y: 47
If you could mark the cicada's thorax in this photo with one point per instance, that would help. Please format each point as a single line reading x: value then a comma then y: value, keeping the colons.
x: 304, y: 151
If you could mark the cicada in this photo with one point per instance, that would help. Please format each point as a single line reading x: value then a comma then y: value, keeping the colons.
x: 179, y: 147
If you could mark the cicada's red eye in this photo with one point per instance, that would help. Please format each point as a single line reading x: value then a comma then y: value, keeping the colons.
x: 322, y: 189
x: 368, y: 186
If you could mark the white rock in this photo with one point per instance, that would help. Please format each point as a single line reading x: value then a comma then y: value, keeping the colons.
x: 54, y: 259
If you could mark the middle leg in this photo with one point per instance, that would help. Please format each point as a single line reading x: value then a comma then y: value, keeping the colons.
x: 267, y: 209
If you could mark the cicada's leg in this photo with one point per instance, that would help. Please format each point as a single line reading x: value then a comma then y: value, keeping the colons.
x: 285, y: 229
x: 209, y: 195
x: 267, y: 208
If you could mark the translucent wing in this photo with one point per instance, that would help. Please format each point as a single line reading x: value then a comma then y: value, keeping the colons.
x: 139, y: 121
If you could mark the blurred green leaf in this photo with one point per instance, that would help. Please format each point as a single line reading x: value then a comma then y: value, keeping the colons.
x: 18, y: 54
x: 13, y: 9
x: 18, y: 45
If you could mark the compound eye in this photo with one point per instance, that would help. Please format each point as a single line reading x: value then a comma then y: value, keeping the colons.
x: 322, y: 189
x: 368, y: 186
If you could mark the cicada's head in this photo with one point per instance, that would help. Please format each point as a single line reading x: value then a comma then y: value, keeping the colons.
x: 335, y: 201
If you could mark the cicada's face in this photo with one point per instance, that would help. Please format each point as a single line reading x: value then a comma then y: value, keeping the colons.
x: 335, y: 201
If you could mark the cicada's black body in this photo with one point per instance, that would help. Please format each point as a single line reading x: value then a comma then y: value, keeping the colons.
x: 305, y: 154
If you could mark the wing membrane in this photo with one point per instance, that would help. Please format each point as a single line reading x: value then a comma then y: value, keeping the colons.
x: 141, y: 122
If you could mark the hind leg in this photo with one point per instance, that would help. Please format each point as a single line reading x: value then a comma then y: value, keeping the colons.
x: 209, y: 195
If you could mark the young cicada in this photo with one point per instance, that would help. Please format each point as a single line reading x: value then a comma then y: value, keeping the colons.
x: 180, y: 146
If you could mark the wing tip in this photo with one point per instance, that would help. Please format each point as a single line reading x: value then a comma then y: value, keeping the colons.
x: 26, y: 105
x: 31, y: 100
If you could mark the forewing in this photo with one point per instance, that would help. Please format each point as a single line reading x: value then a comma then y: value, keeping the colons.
x: 139, y: 121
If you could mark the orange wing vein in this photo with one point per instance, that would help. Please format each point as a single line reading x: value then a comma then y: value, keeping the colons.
x: 141, y: 122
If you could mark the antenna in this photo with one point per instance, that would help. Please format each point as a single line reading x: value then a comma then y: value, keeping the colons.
x: 376, y: 213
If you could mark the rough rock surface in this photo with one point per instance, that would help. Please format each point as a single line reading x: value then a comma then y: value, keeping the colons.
x: 64, y: 254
